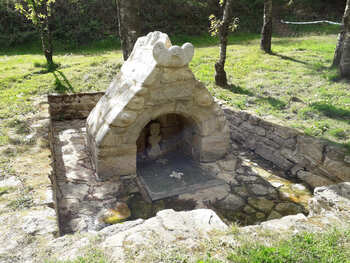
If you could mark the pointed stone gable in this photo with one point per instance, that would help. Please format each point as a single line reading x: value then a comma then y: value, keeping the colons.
x: 153, y: 82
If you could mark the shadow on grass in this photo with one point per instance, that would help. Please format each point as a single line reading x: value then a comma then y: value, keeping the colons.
x: 239, y: 90
x: 62, y: 84
x: 289, y: 58
x: 273, y: 102
x: 331, y: 111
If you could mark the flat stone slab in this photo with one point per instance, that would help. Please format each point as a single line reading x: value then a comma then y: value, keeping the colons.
x: 174, y: 174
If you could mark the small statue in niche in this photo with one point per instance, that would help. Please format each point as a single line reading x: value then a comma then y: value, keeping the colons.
x: 154, y: 139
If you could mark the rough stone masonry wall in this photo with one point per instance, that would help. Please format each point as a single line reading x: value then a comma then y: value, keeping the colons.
x: 72, y: 106
x: 309, y: 159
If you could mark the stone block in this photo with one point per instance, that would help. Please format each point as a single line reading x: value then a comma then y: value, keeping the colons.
x: 107, y: 190
x: 231, y: 202
x: 285, y: 132
x: 227, y: 177
x: 336, y: 169
x: 259, y: 189
x: 228, y: 165
x: 251, y: 141
x: 261, y: 204
x: 213, y: 148
x: 203, y: 98
x: 122, y: 149
x: 137, y: 103
x: 265, y: 151
x: 175, y: 75
x: 313, y: 180
x: 270, y: 143
x: 209, y: 127
x: 74, y: 190
x: 310, y: 148
x: 253, y: 129
x: 125, y: 119
x: 288, y: 208
x: 237, y: 135
x: 116, y: 166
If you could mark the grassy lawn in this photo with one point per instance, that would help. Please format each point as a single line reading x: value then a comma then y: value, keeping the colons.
x: 294, y: 85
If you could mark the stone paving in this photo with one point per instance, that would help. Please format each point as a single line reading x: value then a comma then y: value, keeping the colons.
x: 253, y: 193
x: 79, y: 193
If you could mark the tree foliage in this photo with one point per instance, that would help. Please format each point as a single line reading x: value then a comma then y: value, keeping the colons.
x: 39, y: 13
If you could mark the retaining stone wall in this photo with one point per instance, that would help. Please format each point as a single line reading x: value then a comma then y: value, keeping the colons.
x: 72, y: 106
x: 310, y: 159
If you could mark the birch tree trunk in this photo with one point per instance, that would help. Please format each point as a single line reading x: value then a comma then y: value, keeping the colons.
x: 220, y: 73
x: 344, y: 65
x: 129, y: 24
x: 266, y: 32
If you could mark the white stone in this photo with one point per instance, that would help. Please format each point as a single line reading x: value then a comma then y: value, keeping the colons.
x: 174, y: 56
x: 10, y: 182
x: 125, y: 119
x: 40, y: 222
x: 154, y: 81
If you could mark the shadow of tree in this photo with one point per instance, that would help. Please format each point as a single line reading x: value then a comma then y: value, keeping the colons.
x: 61, y: 86
x: 289, y: 58
x: 331, y: 111
x: 239, y: 90
x: 273, y: 102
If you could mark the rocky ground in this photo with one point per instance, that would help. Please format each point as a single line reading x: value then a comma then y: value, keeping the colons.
x: 190, y: 233
x: 253, y: 192
x: 28, y: 223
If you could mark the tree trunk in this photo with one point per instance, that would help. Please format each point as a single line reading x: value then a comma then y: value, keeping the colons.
x: 344, y: 65
x: 220, y: 74
x: 129, y: 24
x: 46, y: 42
x: 266, y: 33
x: 339, y: 49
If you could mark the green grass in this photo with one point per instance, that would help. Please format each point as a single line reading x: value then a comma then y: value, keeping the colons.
x: 295, y: 84
x: 5, y: 190
x: 93, y: 255
x: 333, y: 246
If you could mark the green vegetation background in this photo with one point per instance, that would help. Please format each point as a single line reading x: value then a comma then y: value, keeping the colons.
x: 77, y: 22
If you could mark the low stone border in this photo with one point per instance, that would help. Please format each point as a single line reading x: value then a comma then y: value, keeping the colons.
x: 72, y: 106
x: 311, y: 160
x: 314, y: 161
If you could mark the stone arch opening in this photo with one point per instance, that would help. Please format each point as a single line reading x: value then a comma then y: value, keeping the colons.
x: 169, y: 157
x: 169, y: 133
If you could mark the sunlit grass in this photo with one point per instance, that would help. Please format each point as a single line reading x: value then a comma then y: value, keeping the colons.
x: 294, y: 84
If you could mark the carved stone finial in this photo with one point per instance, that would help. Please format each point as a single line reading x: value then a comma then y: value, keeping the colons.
x: 174, y: 56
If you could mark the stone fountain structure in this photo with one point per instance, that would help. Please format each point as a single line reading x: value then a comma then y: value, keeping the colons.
x: 152, y: 137
x: 155, y: 105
